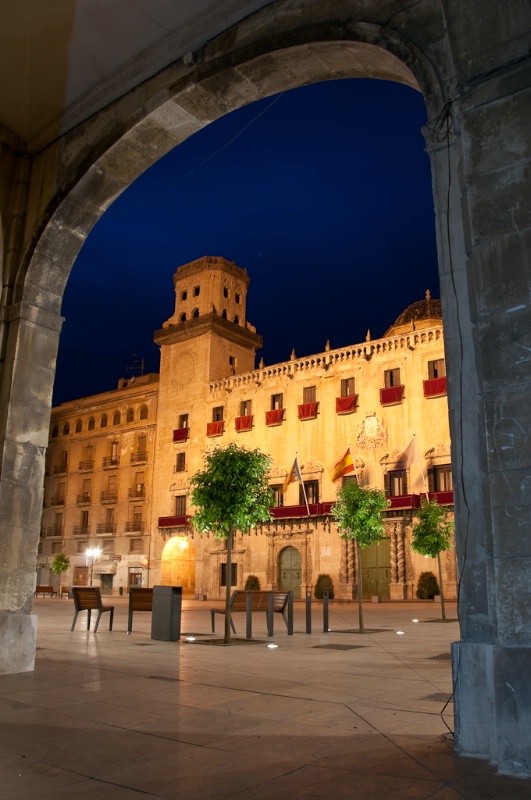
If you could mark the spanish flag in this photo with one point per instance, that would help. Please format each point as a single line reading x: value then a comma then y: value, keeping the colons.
x: 294, y: 475
x: 344, y: 466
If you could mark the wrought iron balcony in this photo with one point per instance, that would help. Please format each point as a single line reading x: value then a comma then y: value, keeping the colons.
x: 81, y: 530
x: 108, y: 497
x: 134, y: 526
x: 83, y: 498
x: 137, y: 493
x: 139, y: 456
x: 111, y: 461
x: 106, y: 527
x: 87, y: 465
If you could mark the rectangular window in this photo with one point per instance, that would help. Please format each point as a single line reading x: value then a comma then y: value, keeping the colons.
x: 58, y: 525
x: 135, y: 576
x: 107, y: 546
x: 82, y: 545
x: 234, y: 574
x: 85, y: 520
x: 312, y: 492
x: 277, y: 401
x: 56, y: 548
x: 63, y: 460
x: 347, y: 387
x: 109, y: 516
x: 233, y: 362
x: 183, y: 420
x: 392, y: 377
x: 217, y: 414
x: 86, y: 486
x: 309, y: 394
x: 114, y: 452
x: 440, y: 479
x: 436, y: 369
x: 112, y: 483
x: 137, y: 515
x: 136, y: 546
x: 180, y: 505
x: 246, y: 408
x: 396, y: 483
x: 61, y: 492
x: 349, y: 479
x: 278, y: 491
x: 180, y: 463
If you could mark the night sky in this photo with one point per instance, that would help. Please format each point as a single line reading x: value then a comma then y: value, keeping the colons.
x: 322, y: 193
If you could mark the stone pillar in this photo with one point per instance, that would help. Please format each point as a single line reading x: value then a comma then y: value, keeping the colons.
x: 398, y: 588
x: 25, y: 399
x: 484, y: 240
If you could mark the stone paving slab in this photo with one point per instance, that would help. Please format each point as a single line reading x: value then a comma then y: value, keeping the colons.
x: 109, y: 715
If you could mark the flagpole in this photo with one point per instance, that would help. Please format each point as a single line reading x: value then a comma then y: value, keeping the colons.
x: 421, y: 470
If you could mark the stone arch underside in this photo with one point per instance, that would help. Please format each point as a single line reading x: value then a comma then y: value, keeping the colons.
x: 482, y: 222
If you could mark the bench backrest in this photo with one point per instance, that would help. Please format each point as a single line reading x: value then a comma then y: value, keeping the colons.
x: 260, y: 600
x: 86, y: 597
x: 140, y: 598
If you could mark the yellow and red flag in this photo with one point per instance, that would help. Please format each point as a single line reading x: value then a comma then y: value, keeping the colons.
x: 294, y: 475
x: 343, y: 467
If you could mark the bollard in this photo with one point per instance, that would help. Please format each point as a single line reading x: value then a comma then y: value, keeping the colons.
x: 325, y: 612
x: 290, y: 613
x: 248, y: 615
x: 270, y: 610
x: 308, y: 612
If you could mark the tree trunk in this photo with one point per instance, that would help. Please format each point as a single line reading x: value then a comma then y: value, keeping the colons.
x: 360, y: 589
x: 443, y: 609
x: 228, y: 588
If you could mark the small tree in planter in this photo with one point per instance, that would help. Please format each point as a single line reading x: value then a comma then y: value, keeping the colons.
x: 231, y: 493
x: 358, y: 515
x: 427, y: 587
x: 431, y: 536
x: 324, y: 583
x: 59, y: 565
x: 252, y: 583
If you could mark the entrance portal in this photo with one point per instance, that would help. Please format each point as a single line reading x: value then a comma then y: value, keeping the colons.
x: 81, y: 576
x: 178, y: 564
x: 376, y: 569
x: 290, y: 571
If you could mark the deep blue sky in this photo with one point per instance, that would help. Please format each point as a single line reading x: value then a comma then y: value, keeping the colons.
x: 322, y: 193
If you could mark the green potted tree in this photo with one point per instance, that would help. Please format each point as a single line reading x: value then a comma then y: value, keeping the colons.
x: 60, y: 564
x: 358, y: 514
x: 231, y: 493
x: 431, y: 536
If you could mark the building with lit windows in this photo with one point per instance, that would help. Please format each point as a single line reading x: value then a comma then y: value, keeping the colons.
x: 119, y: 463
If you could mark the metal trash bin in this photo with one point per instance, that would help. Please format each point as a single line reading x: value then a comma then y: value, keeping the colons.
x: 166, y: 614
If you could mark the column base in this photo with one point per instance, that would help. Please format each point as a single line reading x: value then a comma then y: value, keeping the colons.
x: 18, y: 635
x: 492, y: 696
x: 398, y: 591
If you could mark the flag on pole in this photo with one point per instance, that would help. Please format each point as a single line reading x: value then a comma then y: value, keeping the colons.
x: 344, y: 466
x: 294, y: 475
x: 410, y: 455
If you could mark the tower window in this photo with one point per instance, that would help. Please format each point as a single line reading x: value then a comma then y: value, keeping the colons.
x: 91, y: 424
x: 103, y: 421
x: 117, y: 418
x: 224, y: 313
x: 55, y: 431
x: 237, y: 298
x: 195, y: 313
x: 225, y: 292
x: 143, y: 412
x: 182, y: 318
x: 130, y: 415
x: 184, y: 295
x: 197, y: 290
x: 66, y: 429
x: 236, y: 320
x: 79, y: 426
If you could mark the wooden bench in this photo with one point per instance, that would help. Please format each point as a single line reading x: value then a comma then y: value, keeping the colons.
x: 65, y: 591
x: 44, y: 590
x: 88, y: 598
x: 259, y: 602
x: 140, y: 599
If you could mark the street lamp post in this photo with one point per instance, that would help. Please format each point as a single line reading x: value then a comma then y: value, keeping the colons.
x: 92, y: 553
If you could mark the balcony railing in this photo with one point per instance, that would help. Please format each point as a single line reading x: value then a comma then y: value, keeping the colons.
x: 403, y: 501
x: 59, y: 469
x: 139, y: 456
x: 285, y: 512
x: 106, y: 527
x: 81, y: 530
x: 57, y: 500
x: 87, y: 465
x: 83, y: 498
x: 137, y: 493
x: 108, y: 497
x: 391, y: 395
x: 111, y: 461
x: 444, y: 498
x: 134, y: 525
x: 174, y: 522
x: 51, y: 530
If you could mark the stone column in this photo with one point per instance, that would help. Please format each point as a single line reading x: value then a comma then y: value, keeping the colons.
x: 25, y: 399
x: 481, y: 179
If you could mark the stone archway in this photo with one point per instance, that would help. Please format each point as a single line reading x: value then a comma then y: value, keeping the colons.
x: 477, y: 96
x: 177, y: 564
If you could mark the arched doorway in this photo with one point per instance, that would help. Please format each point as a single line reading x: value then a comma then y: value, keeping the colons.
x: 178, y: 564
x: 290, y: 571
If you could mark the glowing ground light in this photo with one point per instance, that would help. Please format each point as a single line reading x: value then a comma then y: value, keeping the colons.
x: 414, y: 620
x: 189, y: 638
x: 400, y: 633
x: 272, y: 646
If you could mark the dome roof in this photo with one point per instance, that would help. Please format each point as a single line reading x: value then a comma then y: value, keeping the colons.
x: 419, y: 314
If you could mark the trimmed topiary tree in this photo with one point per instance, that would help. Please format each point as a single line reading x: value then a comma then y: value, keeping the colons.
x: 252, y: 583
x: 427, y: 587
x: 324, y: 583
x: 231, y: 493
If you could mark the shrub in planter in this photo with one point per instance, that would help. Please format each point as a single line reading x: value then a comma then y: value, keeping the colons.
x: 427, y: 587
x: 324, y: 584
x: 252, y: 583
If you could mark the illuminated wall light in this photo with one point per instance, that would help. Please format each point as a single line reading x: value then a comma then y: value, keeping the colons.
x: 400, y: 633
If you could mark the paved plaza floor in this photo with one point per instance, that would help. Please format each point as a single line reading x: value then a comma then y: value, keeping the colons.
x: 324, y: 715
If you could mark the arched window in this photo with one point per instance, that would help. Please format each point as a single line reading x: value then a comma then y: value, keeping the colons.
x: 184, y: 295
x: 130, y: 415
x: 225, y: 291
x: 237, y: 298
x: 224, y: 313
x: 66, y: 429
x: 182, y: 317
x: 197, y: 290
x: 91, y: 424
x: 117, y: 418
x: 143, y: 412
x: 236, y: 320
x: 55, y: 432
x: 79, y: 426
x: 103, y: 421
x: 196, y: 312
